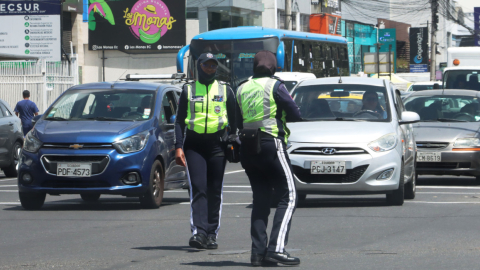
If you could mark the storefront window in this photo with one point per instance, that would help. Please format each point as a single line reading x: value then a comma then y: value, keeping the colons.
x: 192, y: 13
x: 232, y: 17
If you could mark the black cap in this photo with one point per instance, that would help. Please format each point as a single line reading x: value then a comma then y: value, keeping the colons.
x: 204, y: 57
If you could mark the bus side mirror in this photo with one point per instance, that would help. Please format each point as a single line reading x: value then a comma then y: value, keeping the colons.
x: 281, y: 57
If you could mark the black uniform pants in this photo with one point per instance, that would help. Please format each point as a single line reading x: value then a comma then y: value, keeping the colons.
x: 270, y: 169
x: 205, y: 168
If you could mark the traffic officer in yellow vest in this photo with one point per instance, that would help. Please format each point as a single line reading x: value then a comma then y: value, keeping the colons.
x: 206, y: 108
x: 263, y: 108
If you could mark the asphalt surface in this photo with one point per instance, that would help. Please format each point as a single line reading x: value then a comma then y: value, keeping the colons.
x: 437, y: 230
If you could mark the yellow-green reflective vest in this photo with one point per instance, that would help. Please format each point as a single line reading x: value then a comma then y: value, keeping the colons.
x: 207, y: 110
x: 258, y: 107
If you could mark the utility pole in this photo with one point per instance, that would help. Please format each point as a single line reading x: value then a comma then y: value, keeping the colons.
x: 288, y: 14
x: 433, y: 45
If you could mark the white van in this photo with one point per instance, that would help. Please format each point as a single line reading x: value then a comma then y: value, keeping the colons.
x: 463, y: 68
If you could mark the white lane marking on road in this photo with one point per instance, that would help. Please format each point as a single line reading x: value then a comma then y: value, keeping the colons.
x: 227, y: 191
x: 8, y: 185
x: 225, y: 203
x: 11, y: 179
x: 460, y: 193
x: 445, y: 187
x: 443, y: 202
x: 237, y: 186
x: 234, y: 171
x: 9, y: 190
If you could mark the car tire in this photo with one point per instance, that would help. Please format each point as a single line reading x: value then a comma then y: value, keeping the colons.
x: 11, y: 170
x: 90, y: 197
x: 477, y: 180
x: 397, y: 197
x: 302, y: 197
x: 411, y: 188
x: 32, y: 201
x: 153, y: 197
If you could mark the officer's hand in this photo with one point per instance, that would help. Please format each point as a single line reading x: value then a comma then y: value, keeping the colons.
x: 180, y: 157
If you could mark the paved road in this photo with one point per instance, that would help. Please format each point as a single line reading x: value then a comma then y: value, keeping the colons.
x: 437, y: 230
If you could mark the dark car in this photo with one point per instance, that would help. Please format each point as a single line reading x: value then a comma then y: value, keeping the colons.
x: 103, y: 138
x: 448, y: 134
x: 11, y: 140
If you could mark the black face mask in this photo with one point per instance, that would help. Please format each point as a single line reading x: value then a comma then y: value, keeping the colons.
x: 203, y: 77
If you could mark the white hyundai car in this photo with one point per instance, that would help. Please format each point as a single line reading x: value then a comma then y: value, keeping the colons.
x: 356, y: 138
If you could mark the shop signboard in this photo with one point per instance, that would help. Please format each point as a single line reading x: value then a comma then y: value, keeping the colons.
x: 31, y: 28
x: 418, y: 49
x: 476, y: 19
x: 137, y: 26
x: 326, y: 24
x: 388, y: 39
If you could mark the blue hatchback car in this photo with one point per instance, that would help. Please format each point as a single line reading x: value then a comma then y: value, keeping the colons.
x: 103, y: 138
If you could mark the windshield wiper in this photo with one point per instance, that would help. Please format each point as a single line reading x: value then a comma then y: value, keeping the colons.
x: 102, y: 118
x: 333, y: 119
x: 450, y: 120
x: 56, y: 119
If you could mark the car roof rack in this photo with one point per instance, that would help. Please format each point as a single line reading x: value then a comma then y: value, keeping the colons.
x: 138, y: 77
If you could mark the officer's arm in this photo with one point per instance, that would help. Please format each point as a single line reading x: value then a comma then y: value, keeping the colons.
x: 286, y: 103
x: 231, y: 111
x: 180, y: 118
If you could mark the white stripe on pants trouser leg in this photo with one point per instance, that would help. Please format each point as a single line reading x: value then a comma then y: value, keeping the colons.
x: 292, y: 198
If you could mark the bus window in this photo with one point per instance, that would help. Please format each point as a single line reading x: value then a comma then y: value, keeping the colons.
x: 328, y: 52
x: 345, y: 54
x: 288, y: 54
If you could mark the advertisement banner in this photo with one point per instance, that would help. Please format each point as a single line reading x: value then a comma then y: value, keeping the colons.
x: 133, y: 26
x: 476, y: 19
x: 31, y: 28
x: 418, y: 49
x: 326, y: 24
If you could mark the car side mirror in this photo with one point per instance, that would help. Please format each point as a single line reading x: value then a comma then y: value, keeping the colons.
x: 409, y: 118
x: 36, y: 118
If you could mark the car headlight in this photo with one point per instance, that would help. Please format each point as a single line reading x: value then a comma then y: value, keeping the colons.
x: 384, y: 143
x: 467, y: 143
x: 31, y: 143
x: 133, y: 143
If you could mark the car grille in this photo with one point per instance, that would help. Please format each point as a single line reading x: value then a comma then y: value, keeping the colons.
x: 83, y: 146
x: 443, y: 165
x: 75, y: 184
x: 351, y: 176
x: 320, y: 151
x: 99, y: 163
x: 432, y: 145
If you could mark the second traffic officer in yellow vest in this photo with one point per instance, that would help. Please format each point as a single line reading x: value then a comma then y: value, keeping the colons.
x: 206, y: 108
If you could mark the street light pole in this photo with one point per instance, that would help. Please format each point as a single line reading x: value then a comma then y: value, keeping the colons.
x: 433, y: 45
x: 288, y: 14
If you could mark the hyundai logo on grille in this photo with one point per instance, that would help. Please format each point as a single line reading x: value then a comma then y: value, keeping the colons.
x: 329, y: 151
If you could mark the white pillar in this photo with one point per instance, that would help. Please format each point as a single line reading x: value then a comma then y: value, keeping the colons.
x: 203, y: 19
x: 297, y: 18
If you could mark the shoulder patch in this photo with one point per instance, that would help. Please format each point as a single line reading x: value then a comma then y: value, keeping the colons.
x: 222, y: 82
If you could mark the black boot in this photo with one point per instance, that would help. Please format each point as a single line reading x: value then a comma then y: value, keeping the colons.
x: 198, y: 241
x: 283, y: 258
x: 212, y: 242
x: 259, y: 260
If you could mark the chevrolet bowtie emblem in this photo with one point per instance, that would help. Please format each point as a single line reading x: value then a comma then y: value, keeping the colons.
x: 76, y: 146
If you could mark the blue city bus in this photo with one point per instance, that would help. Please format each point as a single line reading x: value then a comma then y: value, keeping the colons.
x: 235, y: 48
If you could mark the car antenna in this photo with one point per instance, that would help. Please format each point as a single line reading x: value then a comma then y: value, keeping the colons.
x: 113, y: 84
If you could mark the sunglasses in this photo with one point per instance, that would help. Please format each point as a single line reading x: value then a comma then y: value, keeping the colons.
x: 212, y: 66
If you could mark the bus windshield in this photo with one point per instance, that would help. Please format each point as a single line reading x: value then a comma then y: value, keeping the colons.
x: 235, y: 57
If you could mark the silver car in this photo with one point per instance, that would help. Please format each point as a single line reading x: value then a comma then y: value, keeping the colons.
x: 448, y: 136
x: 357, y: 138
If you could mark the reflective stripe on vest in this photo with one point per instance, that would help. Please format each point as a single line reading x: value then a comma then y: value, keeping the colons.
x: 206, y: 113
x: 257, y: 105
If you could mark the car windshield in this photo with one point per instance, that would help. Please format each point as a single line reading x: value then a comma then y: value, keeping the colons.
x: 235, y: 57
x: 462, y: 79
x: 103, y: 105
x: 342, y: 102
x: 290, y: 85
x: 444, y: 108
